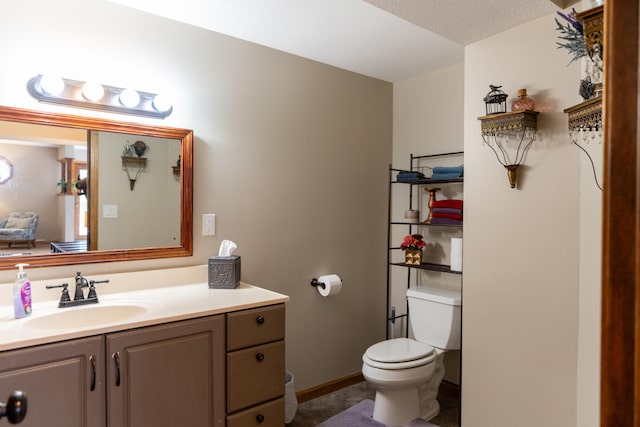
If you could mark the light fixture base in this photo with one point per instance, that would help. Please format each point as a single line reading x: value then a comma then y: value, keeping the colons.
x: 512, y: 174
x: 71, y: 95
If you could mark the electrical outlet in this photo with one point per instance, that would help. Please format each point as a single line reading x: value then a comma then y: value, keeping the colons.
x: 208, y: 224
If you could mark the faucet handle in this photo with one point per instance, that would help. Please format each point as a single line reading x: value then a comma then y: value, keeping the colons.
x: 65, y: 292
x: 92, y: 288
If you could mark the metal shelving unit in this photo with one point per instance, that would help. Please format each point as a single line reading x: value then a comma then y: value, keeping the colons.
x: 412, y: 227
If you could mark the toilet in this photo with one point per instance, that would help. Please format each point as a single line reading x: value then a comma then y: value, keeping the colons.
x: 407, y: 372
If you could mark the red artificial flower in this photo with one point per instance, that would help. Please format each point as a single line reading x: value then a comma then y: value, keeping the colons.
x: 412, y: 241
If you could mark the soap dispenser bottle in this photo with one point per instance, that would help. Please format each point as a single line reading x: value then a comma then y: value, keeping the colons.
x: 21, y: 293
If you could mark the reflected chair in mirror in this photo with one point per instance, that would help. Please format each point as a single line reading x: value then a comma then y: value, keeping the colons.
x: 19, y: 227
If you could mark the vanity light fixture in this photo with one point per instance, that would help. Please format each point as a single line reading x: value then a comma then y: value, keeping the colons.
x: 52, y: 85
x: 95, y: 96
x: 129, y: 98
x: 92, y: 91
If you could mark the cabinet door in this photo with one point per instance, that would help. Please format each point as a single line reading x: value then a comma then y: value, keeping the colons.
x: 63, y: 382
x: 167, y: 375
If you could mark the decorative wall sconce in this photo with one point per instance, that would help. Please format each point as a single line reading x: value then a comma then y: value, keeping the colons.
x: 95, y: 96
x: 176, y: 170
x: 585, y: 126
x: 134, y: 166
x: 510, y: 135
x: 585, y: 119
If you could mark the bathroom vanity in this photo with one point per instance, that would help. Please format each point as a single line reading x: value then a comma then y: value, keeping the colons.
x: 171, y: 355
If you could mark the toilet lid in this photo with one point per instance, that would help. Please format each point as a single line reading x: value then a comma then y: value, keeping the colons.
x: 399, y: 350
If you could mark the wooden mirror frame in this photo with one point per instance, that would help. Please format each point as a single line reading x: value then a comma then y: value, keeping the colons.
x: 95, y: 124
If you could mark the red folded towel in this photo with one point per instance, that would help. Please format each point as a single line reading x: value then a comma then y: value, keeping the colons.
x: 448, y: 203
x: 445, y: 215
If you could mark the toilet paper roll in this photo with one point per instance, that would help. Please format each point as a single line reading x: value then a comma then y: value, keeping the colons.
x: 456, y: 254
x: 332, y: 285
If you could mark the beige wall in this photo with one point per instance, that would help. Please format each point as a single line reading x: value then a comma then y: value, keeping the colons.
x: 148, y: 215
x: 428, y: 119
x: 521, y: 281
x: 290, y: 154
x: 36, y: 172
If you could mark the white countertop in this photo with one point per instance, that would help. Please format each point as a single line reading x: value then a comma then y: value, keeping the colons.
x: 149, y: 306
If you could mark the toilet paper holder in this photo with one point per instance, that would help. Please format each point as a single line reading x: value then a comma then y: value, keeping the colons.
x: 316, y: 283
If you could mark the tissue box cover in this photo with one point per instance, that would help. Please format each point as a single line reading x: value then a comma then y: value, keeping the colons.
x: 224, y: 272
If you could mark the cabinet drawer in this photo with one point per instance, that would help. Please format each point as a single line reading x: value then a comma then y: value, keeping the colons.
x: 270, y: 414
x: 255, y: 375
x: 255, y: 326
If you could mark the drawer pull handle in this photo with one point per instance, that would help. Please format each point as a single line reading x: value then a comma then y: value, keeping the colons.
x: 116, y: 358
x: 260, y: 320
x: 259, y: 357
x: 260, y: 418
x: 92, y: 359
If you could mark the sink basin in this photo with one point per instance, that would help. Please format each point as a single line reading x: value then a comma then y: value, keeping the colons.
x: 88, y: 315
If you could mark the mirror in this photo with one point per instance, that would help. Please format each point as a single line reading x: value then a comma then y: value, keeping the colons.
x: 133, y: 200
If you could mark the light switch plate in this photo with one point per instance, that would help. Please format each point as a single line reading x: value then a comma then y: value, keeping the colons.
x: 208, y: 224
x: 110, y: 211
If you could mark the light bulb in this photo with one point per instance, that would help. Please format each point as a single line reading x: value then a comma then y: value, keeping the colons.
x: 92, y: 91
x: 51, y: 85
x: 161, y: 103
x: 129, y: 98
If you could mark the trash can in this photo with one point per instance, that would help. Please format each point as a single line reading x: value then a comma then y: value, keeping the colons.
x: 290, y: 399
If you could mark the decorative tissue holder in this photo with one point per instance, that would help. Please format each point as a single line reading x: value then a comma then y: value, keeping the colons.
x: 224, y: 272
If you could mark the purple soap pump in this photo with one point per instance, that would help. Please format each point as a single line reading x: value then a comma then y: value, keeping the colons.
x: 21, y: 293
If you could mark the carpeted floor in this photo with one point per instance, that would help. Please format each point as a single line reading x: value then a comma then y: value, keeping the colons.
x: 316, y: 411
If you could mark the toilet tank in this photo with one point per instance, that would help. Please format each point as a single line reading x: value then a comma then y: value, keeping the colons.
x: 435, y: 316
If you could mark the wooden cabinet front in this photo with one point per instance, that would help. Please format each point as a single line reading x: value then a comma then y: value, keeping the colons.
x: 270, y: 414
x: 256, y: 366
x: 255, y: 326
x: 63, y: 382
x: 255, y: 375
x: 222, y: 370
x: 168, y: 375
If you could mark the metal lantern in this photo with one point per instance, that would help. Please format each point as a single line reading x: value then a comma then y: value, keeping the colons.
x: 496, y: 100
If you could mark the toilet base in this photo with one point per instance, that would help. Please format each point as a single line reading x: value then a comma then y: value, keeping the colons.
x: 428, y: 391
x: 396, y: 407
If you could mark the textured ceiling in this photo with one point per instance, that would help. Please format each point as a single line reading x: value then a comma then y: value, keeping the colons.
x: 392, y: 40
x: 467, y: 21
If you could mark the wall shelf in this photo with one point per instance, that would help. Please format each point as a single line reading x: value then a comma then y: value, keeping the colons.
x: 515, y: 121
x: 586, y: 116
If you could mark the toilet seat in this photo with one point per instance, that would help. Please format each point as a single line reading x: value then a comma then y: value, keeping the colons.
x: 399, y: 353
